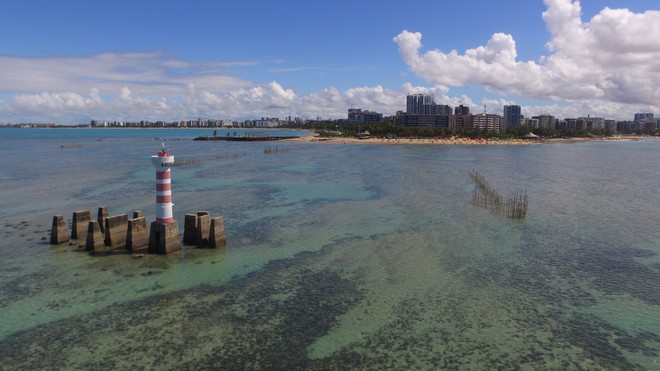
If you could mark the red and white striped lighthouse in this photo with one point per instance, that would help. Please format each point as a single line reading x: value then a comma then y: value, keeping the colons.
x: 164, y: 236
x: 163, y: 161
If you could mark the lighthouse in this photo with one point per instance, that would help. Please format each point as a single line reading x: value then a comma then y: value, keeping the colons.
x: 164, y: 236
x: 163, y: 162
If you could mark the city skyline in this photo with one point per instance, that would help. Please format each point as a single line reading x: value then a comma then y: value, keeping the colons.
x: 71, y: 62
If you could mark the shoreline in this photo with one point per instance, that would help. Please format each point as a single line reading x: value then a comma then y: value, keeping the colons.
x: 462, y: 141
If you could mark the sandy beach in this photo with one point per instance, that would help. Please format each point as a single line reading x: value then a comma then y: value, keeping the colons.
x: 459, y: 141
x: 442, y: 141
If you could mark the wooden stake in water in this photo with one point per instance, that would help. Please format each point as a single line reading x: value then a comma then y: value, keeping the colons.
x: 514, y: 205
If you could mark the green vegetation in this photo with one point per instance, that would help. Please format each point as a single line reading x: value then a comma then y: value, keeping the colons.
x: 559, y: 133
x: 386, y: 128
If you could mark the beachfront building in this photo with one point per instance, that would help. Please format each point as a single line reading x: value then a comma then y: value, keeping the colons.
x: 512, y: 116
x: 422, y: 111
x: 532, y: 123
x: 358, y: 116
x: 424, y: 104
x: 546, y: 121
x: 610, y: 125
x: 569, y: 123
x: 590, y: 123
x: 427, y: 121
x: 461, y: 115
x: 461, y: 110
x: 417, y: 104
x: 485, y: 121
x: 645, y: 121
x: 641, y: 117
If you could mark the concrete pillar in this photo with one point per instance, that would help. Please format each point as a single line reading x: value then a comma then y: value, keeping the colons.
x: 95, y: 244
x: 137, y: 214
x: 137, y: 236
x: 116, y: 228
x: 203, y: 229
x: 217, y: 237
x: 164, y: 238
x: 79, y: 225
x: 190, y: 229
x: 101, y: 217
x: 58, y: 233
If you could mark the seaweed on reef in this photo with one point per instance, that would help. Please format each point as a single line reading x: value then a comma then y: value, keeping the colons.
x: 22, y: 286
x: 615, y: 270
x: 266, y: 319
x: 603, y: 342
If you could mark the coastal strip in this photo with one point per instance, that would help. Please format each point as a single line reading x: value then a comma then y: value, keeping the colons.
x: 462, y: 140
x: 249, y: 138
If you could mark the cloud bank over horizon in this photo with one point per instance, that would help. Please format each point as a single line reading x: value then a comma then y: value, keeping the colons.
x: 609, y: 63
x: 605, y: 67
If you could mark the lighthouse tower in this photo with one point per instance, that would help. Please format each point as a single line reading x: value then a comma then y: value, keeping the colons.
x: 163, y: 162
x: 164, y: 236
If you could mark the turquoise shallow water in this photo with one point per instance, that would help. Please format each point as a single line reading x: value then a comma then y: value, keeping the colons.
x: 339, y: 256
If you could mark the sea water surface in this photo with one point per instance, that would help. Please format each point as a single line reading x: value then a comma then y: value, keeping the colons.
x: 339, y: 256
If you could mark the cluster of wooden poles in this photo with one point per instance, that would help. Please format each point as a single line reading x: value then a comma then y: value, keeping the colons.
x: 513, y: 205
x: 276, y: 150
x: 70, y: 145
x: 193, y: 161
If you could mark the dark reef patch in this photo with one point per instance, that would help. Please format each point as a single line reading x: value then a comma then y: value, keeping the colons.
x: 264, y: 320
x: 603, y: 342
x: 269, y: 319
x: 22, y: 286
x: 615, y: 271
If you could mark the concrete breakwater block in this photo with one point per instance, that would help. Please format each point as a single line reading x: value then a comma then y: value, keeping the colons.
x: 95, y: 243
x: 137, y: 236
x: 116, y: 228
x: 164, y: 238
x: 58, y: 234
x: 217, y: 237
x: 190, y: 229
x: 79, y: 224
x: 101, y: 216
x: 203, y: 229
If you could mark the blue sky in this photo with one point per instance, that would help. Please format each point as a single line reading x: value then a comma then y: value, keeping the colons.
x: 72, y: 61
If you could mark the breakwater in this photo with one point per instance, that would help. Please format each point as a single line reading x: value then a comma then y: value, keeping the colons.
x: 117, y: 233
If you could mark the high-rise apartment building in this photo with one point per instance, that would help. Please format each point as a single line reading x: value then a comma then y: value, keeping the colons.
x: 422, y: 111
x: 461, y: 110
x: 511, y: 117
x: 590, y: 123
x: 642, y: 117
x: 460, y: 118
x: 419, y: 104
x: 545, y: 121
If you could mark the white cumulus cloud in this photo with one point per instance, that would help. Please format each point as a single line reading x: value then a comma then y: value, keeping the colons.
x: 603, y: 66
x: 610, y: 59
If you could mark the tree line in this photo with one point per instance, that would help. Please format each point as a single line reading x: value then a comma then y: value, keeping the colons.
x: 387, y: 128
